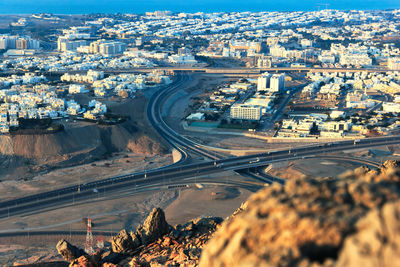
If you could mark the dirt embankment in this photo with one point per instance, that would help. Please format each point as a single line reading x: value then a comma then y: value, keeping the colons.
x: 81, y: 142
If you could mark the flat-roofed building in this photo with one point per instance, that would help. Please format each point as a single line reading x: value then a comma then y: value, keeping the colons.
x: 246, y: 112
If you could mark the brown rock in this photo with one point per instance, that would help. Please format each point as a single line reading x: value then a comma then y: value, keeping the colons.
x: 182, y: 257
x: 204, y: 225
x: 166, y: 241
x: 83, y: 261
x: 154, y: 227
x: 156, y: 264
x: 68, y: 251
x: 134, y: 262
x: 390, y: 164
x: 111, y: 257
x: 144, y: 145
x: 122, y: 242
x: 135, y: 239
x: 377, y: 241
x: 361, y: 170
x: 174, y: 254
x: 242, y: 207
x: 304, y: 222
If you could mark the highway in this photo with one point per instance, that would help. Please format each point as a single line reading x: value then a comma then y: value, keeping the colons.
x: 93, y: 190
x: 243, y: 70
x: 154, y: 115
x: 182, y: 144
x: 176, y: 174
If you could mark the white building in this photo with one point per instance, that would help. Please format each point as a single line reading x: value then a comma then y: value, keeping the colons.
x: 112, y: 48
x: 334, y: 126
x: 264, y: 62
x: 66, y: 44
x: 76, y: 89
x: 355, y: 59
x: 196, y: 116
x: 263, y: 81
x: 306, y: 43
x: 246, y: 112
x: 394, y: 63
x: 337, y: 114
x: 327, y: 58
x: 277, y: 83
x: 391, y: 107
x: 182, y: 59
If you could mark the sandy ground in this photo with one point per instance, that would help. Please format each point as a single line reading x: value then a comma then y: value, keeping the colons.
x: 312, y: 168
x: 328, y: 167
x: 127, y: 208
x: 215, y: 201
x: 120, y: 163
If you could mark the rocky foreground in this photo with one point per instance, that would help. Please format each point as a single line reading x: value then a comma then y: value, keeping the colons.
x: 155, y: 243
x: 352, y: 220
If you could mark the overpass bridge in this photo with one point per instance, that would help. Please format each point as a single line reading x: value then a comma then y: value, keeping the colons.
x: 251, y: 70
x: 238, y: 71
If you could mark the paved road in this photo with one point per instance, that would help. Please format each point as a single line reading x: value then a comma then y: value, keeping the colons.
x: 171, y: 174
x: 175, y: 174
x: 255, y: 70
x: 249, y: 71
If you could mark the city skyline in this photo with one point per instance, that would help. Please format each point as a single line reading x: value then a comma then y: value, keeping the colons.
x: 140, y: 6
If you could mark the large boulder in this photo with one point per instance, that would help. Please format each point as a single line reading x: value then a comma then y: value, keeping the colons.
x: 68, y: 251
x: 306, y: 222
x: 154, y: 227
x: 122, y: 242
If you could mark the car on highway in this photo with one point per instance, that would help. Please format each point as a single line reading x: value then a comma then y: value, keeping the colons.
x: 254, y: 161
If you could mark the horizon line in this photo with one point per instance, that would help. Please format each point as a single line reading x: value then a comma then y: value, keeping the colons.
x: 205, y: 12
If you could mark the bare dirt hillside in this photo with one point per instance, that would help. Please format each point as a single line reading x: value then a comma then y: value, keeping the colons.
x: 80, y: 142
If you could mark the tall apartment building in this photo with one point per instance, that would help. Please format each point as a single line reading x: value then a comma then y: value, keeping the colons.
x: 18, y: 42
x: 277, y: 51
x: 263, y: 82
x: 112, y: 48
x: 264, y: 62
x: 65, y: 44
x: 107, y: 47
x: 22, y: 44
x: 245, y: 112
x: 3, y: 43
x: 277, y: 83
x: 73, y: 38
